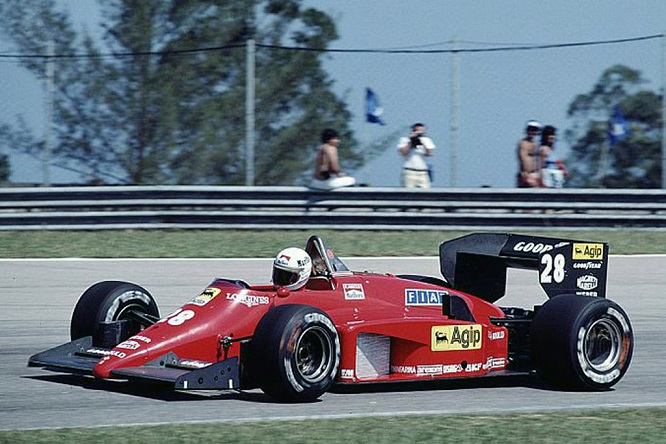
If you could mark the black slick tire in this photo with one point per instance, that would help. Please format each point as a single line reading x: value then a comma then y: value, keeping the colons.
x: 581, y: 342
x: 110, y: 301
x: 296, y: 353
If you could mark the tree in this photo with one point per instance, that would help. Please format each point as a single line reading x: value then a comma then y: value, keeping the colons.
x: 633, y: 162
x: 4, y: 169
x: 164, y: 102
x: 33, y: 25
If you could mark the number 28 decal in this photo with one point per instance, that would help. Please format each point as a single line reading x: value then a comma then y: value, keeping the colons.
x: 178, y: 317
x: 553, y: 270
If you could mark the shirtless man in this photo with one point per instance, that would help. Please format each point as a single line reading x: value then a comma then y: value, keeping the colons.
x: 529, y: 158
x: 327, y: 174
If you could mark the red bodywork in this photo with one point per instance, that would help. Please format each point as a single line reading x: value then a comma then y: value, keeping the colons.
x: 390, y: 328
x: 359, y: 327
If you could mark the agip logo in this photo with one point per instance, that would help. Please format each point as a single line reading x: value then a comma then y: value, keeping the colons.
x: 588, y: 252
x: 456, y: 337
x: 206, y: 296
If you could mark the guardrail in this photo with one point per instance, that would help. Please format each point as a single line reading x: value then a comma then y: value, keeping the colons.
x: 186, y: 207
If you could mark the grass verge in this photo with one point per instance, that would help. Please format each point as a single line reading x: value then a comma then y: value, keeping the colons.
x: 602, y: 426
x: 266, y: 243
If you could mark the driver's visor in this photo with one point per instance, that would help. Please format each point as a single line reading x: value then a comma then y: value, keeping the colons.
x: 284, y: 277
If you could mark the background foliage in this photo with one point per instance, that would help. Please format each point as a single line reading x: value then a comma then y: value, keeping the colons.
x: 634, y: 162
x: 161, y: 98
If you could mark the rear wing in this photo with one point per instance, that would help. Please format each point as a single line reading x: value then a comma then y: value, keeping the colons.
x: 477, y: 264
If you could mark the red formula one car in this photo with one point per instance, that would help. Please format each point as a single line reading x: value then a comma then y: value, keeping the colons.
x: 349, y: 327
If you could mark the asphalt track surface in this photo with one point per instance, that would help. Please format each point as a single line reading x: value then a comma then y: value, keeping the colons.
x: 38, y: 296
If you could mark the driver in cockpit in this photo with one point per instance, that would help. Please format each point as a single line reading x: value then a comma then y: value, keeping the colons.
x: 291, y: 268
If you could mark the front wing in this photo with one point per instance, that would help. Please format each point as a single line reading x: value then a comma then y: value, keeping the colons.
x: 80, y: 356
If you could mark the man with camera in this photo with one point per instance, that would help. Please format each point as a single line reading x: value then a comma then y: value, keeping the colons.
x: 415, y: 170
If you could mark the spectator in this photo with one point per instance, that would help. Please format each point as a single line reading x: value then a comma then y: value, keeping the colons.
x: 415, y: 169
x: 553, y: 171
x: 528, y: 157
x: 327, y: 174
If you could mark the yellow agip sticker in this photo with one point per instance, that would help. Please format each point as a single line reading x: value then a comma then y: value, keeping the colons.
x: 456, y: 337
x: 206, y: 296
x: 588, y: 252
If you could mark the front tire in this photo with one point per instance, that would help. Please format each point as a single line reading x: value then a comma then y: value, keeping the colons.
x: 111, y: 301
x: 296, y: 353
x: 581, y: 342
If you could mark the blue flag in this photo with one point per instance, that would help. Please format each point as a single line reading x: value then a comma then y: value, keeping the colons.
x: 373, y: 110
x: 618, y: 129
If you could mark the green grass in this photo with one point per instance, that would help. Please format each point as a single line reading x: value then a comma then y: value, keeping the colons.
x: 589, y: 427
x: 265, y: 243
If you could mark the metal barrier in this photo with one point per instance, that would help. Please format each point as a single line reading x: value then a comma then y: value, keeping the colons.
x: 205, y: 207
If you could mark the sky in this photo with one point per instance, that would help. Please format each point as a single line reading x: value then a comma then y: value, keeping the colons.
x: 498, y: 91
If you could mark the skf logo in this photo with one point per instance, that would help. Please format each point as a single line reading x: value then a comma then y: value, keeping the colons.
x: 495, y: 335
x: 588, y: 252
x: 455, y: 337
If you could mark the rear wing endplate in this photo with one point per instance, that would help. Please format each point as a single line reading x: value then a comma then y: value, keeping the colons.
x: 477, y: 264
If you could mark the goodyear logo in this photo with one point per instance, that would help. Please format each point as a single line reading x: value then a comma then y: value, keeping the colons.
x: 588, y: 252
x: 456, y: 337
x: 424, y: 297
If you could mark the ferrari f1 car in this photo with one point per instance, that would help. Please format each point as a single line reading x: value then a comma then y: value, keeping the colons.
x: 347, y: 327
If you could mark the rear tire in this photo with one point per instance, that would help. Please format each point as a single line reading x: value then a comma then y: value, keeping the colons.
x: 296, y: 353
x: 111, y: 301
x: 581, y: 342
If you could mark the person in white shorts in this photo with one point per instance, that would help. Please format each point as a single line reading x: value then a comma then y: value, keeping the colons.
x: 415, y: 149
x: 327, y: 174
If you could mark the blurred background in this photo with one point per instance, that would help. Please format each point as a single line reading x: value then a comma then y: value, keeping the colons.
x: 130, y: 92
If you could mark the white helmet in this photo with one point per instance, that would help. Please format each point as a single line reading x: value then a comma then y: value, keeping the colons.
x: 291, y: 268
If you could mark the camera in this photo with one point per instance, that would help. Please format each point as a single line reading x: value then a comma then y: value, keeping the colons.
x: 415, y: 141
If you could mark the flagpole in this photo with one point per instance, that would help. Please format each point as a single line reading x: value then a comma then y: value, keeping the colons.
x: 249, y: 114
x: 455, y: 110
x: 48, y: 128
x: 603, y: 161
x: 663, y: 112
